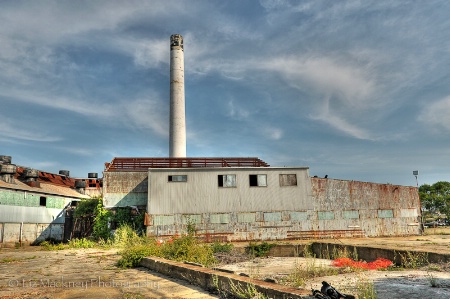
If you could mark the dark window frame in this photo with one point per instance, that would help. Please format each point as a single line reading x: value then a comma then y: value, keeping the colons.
x: 288, y: 180
x: 42, y: 201
x: 255, y: 182
x: 183, y: 178
x: 220, y: 180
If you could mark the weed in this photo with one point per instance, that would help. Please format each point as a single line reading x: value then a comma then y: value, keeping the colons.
x: 12, y: 259
x: 125, y: 235
x: 232, y: 290
x: 8, y: 260
x: 339, y: 252
x: 260, y: 250
x: 413, y: 260
x: 219, y: 247
x: 365, y: 289
x: 434, y: 267
x: 46, y: 245
x: 312, y: 269
x: 432, y: 280
x: 132, y: 256
x: 185, y: 248
x: 81, y: 243
x: 249, y: 291
x: 132, y: 296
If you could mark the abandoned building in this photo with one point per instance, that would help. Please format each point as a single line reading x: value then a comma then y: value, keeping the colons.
x: 236, y: 199
x: 33, y: 203
x: 244, y: 199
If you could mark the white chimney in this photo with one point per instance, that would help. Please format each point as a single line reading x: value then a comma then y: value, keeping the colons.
x: 177, y: 142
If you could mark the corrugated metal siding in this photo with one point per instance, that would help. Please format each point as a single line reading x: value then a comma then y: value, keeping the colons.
x: 28, y: 233
x: 30, y: 214
x: 331, y: 208
x: 201, y: 193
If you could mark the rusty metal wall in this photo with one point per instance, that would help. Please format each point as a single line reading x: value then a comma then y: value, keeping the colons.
x: 126, y: 188
x: 326, y: 208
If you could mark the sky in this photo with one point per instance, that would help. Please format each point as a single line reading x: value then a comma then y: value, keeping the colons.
x: 356, y: 90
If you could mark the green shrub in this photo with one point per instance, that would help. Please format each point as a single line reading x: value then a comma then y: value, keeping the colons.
x: 82, y: 243
x: 49, y: 245
x: 187, y: 248
x: 132, y: 256
x: 259, y: 250
x: 219, y: 247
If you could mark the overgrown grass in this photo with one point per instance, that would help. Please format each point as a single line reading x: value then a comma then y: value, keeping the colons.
x: 259, y: 250
x: 413, y: 260
x: 312, y: 269
x: 365, y: 289
x: 13, y: 259
x: 236, y: 290
x: 184, y: 248
x: 219, y: 247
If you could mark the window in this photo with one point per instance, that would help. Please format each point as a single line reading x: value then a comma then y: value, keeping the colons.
x: 227, y: 180
x: 288, y: 180
x: 43, y: 201
x: 177, y: 178
x: 258, y: 180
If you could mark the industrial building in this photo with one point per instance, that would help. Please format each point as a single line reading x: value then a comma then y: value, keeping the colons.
x: 236, y: 199
x: 33, y: 203
x: 244, y: 199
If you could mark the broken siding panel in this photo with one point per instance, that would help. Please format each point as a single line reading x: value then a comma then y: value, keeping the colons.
x: 219, y: 218
x: 385, y: 213
x: 325, y: 215
x: 288, y: 179
x: 412, y: 212
x: 163, y: 219
x: 246, y: 217
x: 299, y: 216
x: 350, y: 214
x: 191, y: 219
x: 272, y: 216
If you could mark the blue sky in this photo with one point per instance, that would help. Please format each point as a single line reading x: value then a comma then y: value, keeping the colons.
x: 356, y: 90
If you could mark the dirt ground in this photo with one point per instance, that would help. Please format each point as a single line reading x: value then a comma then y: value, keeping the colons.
x: 82, y: 273
x: 91, y: 273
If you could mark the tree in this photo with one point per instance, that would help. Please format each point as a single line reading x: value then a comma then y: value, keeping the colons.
x: 436, y: 198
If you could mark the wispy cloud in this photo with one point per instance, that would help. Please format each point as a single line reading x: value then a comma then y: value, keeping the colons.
x: 13, y: 130
x: 436, y: 114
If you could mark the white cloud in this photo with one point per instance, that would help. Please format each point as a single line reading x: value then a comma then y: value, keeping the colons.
x: 236, y: 112
x: 14, y: 130
x: 273, y: 133
x: 437, y: 114
x: 324, y: 75
x: 147, y: 113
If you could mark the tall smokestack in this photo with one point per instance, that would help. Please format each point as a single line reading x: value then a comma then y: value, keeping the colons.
x: 177, y: 143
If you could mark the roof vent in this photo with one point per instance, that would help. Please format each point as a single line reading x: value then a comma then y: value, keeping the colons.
x: 92, y: 175
x: 7, y: 172
x: 31, y: 177
x: 80, y: 186
x: 5, y: 159
x: 64, y: 172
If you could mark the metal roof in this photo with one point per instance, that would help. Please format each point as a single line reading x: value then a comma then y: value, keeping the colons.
x: 45, y: 188
x: 143, y: 164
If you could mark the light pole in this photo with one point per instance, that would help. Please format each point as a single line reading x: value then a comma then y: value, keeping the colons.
x: 416, y: 174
